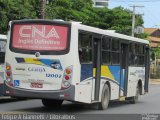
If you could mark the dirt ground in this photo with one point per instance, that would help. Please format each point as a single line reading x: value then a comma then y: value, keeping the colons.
x: 155, y: 81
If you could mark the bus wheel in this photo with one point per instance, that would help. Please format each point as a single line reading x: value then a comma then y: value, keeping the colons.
x: 52, y: 103
x: 134, y: 99
x: 104, y: 98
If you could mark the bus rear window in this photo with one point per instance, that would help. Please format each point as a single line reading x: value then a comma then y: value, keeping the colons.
x: 41, y: 37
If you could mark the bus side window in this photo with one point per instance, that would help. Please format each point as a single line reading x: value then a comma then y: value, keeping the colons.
x: 106, y: 53
x: 106, y: 43
x: 140, y: 54
x: 132, y: 56
x: 115, y: 51
x: 85, y: 47
x: 136, y: 54
x: 106, y: 57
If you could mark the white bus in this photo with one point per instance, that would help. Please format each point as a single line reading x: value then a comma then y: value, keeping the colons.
x: 3, y: 41
x: 56, y: 61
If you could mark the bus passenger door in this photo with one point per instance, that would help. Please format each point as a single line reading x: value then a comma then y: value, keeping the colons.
x: 96, y: 68
x: 124, y: 69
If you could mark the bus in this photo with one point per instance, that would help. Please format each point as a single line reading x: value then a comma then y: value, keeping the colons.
x: 58, y: 61
x: 3, y: 41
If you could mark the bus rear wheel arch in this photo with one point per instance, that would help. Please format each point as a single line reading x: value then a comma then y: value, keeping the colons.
x: 49, y: 103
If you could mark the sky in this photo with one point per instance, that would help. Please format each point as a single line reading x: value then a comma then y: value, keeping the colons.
x: 151, y: 10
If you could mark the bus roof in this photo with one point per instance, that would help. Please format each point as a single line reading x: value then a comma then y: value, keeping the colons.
x: 109, y: 33
x: 96, y: 30
x: 3, y: 37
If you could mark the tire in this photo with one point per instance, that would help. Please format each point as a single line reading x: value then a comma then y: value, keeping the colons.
x: 134, y: 99
x: 48, y: 103
x: 104, y: 98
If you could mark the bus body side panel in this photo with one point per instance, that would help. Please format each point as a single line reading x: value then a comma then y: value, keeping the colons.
x: 112, y: 75
x: 87, y: 83
x: 87, y: 87
x: 134, y: 75
x: 84, y: 88
x: 114, y: 89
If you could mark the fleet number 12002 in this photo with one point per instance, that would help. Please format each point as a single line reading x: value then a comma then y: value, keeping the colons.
x: 54, y: 75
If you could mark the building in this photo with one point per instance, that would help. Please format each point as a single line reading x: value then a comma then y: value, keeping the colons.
x: 100, y: 3
x: 153, y: 36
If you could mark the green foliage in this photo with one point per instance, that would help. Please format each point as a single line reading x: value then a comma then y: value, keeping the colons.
x: 143, y: 35
x: 118, y: 19
x: 156, y: 51
x: 15, y: 10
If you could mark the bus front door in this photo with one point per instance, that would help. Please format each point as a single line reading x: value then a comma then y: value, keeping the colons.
x: 124, y: 70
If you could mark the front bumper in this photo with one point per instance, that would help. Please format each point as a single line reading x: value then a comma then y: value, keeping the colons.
x: 67, y: 94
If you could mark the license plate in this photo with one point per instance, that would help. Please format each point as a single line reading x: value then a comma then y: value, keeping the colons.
x: 36, y: 85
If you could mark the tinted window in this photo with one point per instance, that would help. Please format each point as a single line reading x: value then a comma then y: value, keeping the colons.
x: 136, y: 55
x: 141, y: 60
x: 106, y: 57
x: 132, y: 56
x: 85, y: 47
x: 115, y: 58
x: 139, y: 49
x: 115, y: 45
x: 86, y: 55
x: 106, y: 43
x: 110, y: 51
x: 85, y: 40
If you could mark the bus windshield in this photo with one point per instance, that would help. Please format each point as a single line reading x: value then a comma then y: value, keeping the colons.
x: 39, y: 37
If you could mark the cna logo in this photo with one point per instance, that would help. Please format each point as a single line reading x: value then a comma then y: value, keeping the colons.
x: 40, y: 37
x: 36, y: 69
x: 43, y: 31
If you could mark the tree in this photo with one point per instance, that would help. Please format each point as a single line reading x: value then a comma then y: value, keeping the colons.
x: 15, y: 10
x: 118, y: 19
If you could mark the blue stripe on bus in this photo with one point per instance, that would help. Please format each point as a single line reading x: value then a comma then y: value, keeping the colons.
x: 53, y: 63
x: 114, y: 71
x: 86, y: 71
